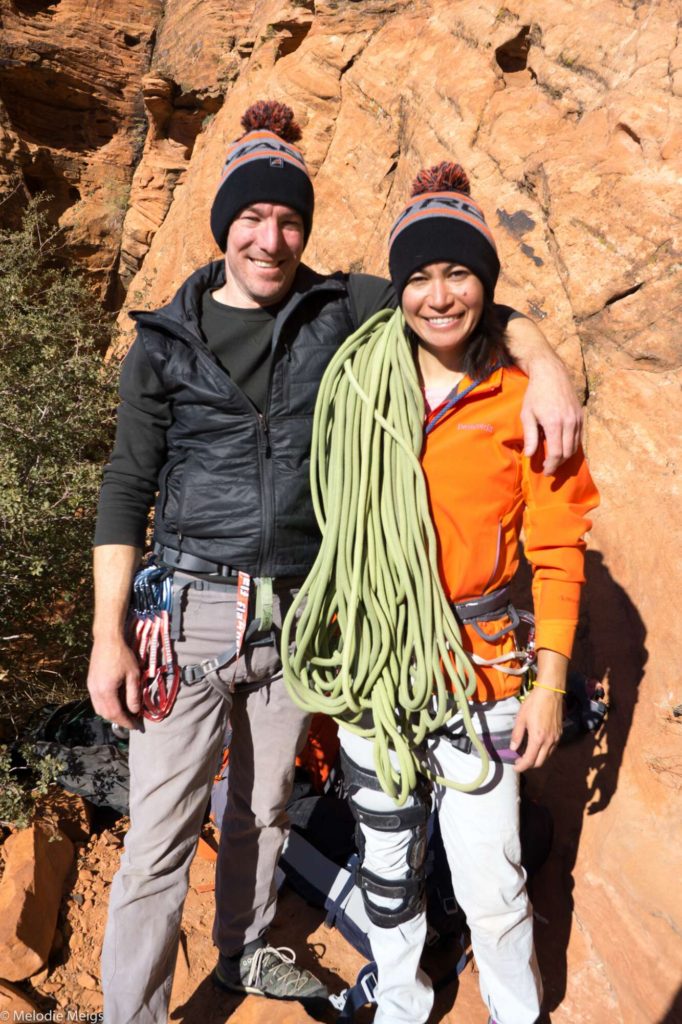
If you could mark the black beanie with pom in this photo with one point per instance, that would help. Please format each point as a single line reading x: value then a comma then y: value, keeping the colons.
x: 263, y: 166
x: 442, y: 223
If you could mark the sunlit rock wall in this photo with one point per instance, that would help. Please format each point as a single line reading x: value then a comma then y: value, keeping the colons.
x: 567, y: 116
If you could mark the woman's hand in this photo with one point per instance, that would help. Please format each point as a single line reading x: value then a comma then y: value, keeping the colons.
x: 541, y: 714
x: 551, y: 404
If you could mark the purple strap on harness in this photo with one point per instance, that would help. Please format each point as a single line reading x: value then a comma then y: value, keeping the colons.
x: 497, y: 745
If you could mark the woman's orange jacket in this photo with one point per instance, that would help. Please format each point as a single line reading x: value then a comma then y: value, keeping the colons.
x: 483, y: 490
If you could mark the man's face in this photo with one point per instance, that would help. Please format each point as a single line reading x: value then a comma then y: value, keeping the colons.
x: 264, y: 248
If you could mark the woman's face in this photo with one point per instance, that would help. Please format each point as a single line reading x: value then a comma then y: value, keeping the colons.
x: 442, y: 303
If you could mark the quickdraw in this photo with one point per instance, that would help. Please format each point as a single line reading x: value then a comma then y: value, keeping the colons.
x: 150, y: 609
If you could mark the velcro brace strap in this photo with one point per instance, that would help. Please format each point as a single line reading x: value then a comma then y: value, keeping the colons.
x: 397, y: 820
x: 410, y: 891
x: 356, y: 777
x: 394, y: 889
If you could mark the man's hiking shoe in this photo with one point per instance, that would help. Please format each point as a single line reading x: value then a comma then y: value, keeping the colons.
x: 269, y: 972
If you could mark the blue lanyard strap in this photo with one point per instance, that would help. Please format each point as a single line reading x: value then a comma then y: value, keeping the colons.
x: 456, y: 396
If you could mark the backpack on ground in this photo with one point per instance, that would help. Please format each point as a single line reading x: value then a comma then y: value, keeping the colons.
x: 95, y: 760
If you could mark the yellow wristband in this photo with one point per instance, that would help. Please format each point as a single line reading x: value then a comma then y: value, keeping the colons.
x: 544, y: 686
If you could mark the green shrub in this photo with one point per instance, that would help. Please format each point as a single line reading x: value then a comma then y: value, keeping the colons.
x: 57, y: 399
x: 23, y: 780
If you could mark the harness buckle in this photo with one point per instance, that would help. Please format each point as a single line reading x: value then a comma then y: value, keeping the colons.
x: 450, y: 905
x: 369, y: 985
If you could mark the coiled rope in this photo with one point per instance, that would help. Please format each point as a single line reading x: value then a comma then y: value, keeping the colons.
x: 377, y: 645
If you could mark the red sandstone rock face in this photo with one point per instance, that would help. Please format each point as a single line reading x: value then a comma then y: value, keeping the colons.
x: 30, y: 894
x: 71, y: 114
x: 567, y: 116
x: 196, y: 60
x: 197, y: 55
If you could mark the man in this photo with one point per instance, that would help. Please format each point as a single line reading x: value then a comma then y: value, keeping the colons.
x: 217, y: 399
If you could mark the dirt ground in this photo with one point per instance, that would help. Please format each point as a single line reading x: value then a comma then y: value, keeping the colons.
x: 71, y: 980
x: 576, y: 990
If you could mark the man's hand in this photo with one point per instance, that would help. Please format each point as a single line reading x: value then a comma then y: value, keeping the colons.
x: 540, y: 716
x: 114, y: 682
x: 551, y: 406
x: 114, y: 675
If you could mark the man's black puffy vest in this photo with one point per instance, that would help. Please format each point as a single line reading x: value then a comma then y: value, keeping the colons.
x: 235, y: 487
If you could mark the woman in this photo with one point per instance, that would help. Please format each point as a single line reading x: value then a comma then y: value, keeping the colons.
x: 481, y: 490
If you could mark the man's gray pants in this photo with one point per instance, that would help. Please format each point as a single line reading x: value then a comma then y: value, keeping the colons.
x: 172, y: 766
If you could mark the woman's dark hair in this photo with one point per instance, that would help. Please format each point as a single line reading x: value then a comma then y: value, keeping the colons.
x: 487, y: 346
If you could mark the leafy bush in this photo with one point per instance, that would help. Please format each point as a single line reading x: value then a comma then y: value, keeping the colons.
x: 57, y: 400
x: 23, y: 779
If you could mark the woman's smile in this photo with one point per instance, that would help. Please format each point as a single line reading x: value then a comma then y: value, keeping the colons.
x: 442, y: 303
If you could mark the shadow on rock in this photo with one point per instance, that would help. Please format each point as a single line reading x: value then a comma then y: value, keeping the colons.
x: 582, y: 777
x: 207, y: 1004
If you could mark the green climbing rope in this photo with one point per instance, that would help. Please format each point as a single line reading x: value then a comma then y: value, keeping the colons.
x: 377, y: 645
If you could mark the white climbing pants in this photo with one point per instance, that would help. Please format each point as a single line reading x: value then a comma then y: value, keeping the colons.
x: 481, y: 836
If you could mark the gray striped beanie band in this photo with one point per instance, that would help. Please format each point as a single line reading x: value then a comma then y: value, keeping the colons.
x: 442, y: 204
x: 262, y: 146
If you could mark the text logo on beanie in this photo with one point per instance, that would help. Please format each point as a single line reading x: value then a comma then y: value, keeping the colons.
x: 263, y: 166
x: 442, y: 223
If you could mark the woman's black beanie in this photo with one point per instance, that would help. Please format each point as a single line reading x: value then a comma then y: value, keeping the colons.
x: 442, y: 223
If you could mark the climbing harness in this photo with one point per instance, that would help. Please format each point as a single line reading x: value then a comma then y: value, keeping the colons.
x: 494, y: 606
x: 245, y: 631
x: 155, y: 622
x: 378, y: 646
x: 150, y: 608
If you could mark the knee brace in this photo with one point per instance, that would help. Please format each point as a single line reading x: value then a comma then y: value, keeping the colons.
x: 409, y: 890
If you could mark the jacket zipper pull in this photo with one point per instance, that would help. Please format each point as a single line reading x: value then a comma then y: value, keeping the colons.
x: 266, y: 431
